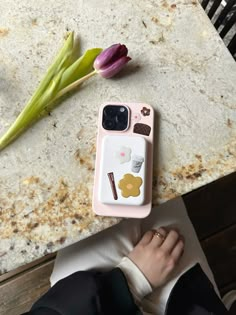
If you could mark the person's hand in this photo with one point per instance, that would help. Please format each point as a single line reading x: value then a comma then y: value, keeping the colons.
x: 157, y: 254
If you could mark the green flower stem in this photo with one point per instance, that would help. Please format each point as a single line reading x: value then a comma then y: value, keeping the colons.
x: 74, y: 85
x: 63, y: 75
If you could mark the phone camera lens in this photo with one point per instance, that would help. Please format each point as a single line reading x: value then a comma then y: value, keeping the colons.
x: 121, y: 118
x: 109, y: 111
x: 115, y: 117
x: 108, y: 124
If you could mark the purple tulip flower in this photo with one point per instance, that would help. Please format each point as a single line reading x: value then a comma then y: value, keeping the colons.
x: 111, y: 60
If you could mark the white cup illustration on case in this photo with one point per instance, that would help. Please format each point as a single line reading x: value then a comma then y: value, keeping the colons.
x: 137, y: 162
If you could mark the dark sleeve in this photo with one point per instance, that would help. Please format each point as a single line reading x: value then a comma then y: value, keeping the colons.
x: 194, y: 294
x: 88, y: 293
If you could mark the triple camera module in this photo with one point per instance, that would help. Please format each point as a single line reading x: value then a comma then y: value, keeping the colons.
x: 115, y: 117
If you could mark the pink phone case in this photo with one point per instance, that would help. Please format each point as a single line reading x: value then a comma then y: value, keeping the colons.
x: 123, y: 168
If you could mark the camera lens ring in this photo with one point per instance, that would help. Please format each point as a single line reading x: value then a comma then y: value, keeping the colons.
x: 115, y: 117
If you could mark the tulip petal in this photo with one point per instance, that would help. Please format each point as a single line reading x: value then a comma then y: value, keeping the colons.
x: 105, y: 56
x: 121, y: 52
x: 110, y: 55
x: 114, y: 68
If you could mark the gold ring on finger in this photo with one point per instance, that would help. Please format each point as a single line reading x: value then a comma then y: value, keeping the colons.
x: 158, y: 234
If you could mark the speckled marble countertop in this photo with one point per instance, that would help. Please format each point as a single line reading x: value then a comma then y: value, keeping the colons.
x: 180, y: 66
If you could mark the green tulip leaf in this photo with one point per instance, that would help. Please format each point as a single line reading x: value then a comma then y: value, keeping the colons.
x: 80, y: 67
x: 61, y: 60
x: 63, y: 75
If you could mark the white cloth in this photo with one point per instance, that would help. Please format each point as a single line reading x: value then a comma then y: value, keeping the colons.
x: 106, y: 249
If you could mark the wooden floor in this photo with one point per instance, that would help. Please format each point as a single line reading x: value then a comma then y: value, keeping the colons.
x: 212, y: 210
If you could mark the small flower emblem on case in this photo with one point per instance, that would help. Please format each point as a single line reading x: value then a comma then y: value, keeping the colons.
x: 130, y: 185
x: 124, y: 154
x: 145, y: 111
x: 136, y: 117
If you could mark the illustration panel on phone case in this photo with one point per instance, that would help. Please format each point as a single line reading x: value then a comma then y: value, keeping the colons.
x: 123, y: 170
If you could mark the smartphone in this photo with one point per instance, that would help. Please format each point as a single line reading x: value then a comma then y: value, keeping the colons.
x: 124, y: 158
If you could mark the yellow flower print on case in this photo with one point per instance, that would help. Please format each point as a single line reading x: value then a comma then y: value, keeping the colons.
x: 130, y: 185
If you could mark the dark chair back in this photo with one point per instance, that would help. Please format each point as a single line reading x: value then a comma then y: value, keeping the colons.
x: 224, y: 20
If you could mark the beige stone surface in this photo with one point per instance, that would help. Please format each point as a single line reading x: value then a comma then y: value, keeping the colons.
x: 180, y: 66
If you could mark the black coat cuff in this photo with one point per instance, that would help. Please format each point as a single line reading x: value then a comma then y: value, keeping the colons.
x: 88, y: 293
